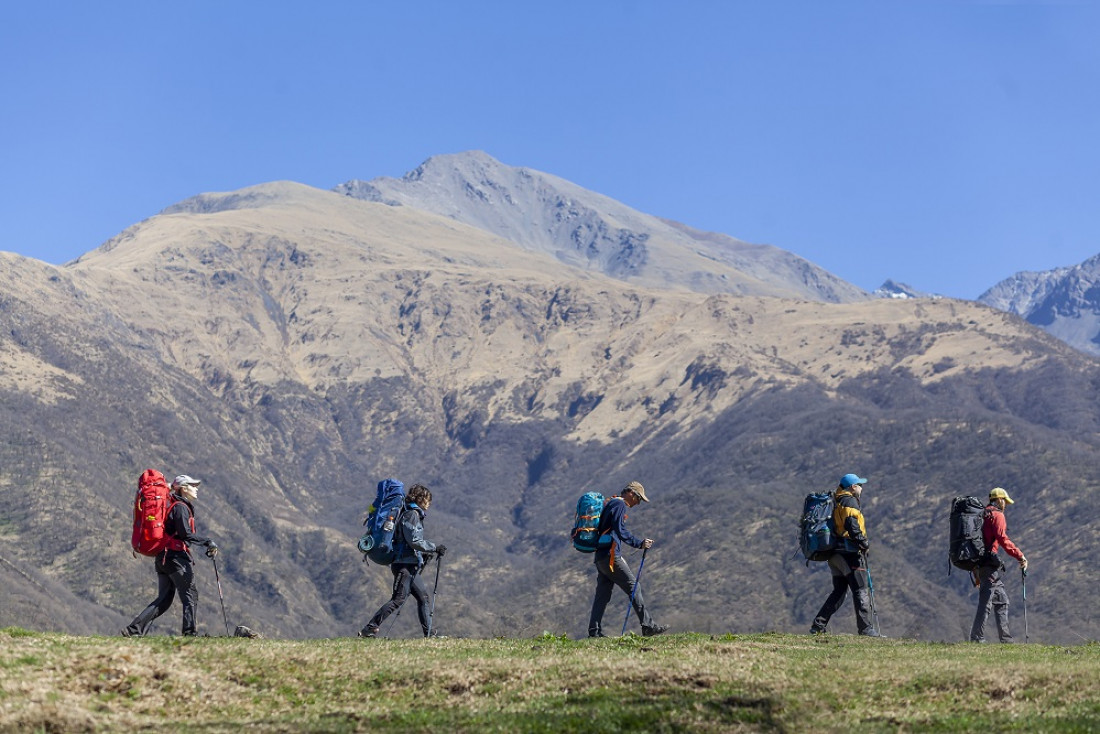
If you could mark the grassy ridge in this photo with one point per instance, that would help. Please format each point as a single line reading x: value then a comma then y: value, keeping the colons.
x: 771, y: 682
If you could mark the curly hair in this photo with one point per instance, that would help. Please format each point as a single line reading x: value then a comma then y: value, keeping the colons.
x: 419, y: 494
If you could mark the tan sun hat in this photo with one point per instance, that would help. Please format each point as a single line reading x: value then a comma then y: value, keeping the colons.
x: 638, y: 489
x: 999, y: 494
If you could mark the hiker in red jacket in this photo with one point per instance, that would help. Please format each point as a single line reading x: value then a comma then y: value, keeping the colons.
x: 992, y: 594
x: 174, y: 565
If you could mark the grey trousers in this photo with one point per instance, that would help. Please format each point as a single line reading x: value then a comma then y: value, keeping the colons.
x: 848, y: 572
x: 991, y: 597
x: 606, y: 581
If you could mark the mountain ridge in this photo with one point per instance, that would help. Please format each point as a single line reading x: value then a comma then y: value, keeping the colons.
x: 292, y: 346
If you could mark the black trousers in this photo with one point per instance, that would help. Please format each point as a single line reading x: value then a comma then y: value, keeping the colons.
x: 175, y: 574
x: 848, y: 572
x: 406, y: 579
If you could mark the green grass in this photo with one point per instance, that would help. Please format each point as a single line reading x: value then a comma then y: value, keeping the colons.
x: 675, y: 683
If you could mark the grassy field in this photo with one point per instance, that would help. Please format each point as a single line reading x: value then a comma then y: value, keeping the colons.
x: 690, y: 683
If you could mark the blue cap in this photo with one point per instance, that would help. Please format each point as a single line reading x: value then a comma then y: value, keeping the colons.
x: 849, y: 479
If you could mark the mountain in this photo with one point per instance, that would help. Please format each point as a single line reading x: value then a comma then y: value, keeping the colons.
x: 292, y: 346
x: 1063, y: 301
x: 544, y: 213
x: 894, y: 289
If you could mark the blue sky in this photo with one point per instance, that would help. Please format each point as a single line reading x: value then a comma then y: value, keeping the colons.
x: 944, y: 144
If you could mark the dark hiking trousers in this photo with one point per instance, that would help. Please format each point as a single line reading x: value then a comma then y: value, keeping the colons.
x: 991, y: 597
x: 175, y: 573
x: 848, y: 573
x: 606, y: 581
x: 406, y: 578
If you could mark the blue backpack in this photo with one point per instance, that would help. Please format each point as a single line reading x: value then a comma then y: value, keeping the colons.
x: 378, y: 544
x: 817, y: 531
x: 586, y: 523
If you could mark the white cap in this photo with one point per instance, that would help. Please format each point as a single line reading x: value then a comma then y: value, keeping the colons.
x: 185, y: 481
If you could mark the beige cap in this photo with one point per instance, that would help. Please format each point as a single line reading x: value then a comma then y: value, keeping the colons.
x: 999, y: 494
x: 638, y: 489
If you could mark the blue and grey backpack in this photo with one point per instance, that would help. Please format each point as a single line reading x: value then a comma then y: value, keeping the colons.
x: 586, y: 523
x: 817, y: 531
x: 382, y: 518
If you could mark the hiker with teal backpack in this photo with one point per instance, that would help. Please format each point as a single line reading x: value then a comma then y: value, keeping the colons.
x: 847, y: 563
x: 411, y: 551
x: 612, y: 569
x: 992, y: 596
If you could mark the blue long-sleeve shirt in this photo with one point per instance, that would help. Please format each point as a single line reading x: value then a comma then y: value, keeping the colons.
x: 613, y: 523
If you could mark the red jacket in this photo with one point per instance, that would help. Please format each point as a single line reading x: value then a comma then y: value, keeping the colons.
x: 994, y: 530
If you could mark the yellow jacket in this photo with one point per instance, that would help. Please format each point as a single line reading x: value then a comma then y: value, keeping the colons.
x: 848, y: 518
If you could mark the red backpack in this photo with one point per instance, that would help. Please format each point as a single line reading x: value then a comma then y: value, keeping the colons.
x: 151, y: 507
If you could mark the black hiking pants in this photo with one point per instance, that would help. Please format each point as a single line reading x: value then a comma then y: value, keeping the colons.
x: 175, y: 573
x: 848, y: 572
x: 406, y: 578
x: 992, y: 597
x: 607, y: 579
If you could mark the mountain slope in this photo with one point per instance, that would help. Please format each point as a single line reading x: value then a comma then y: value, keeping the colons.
x: 1063, y: 301
x: 293, y: 346
x: 544, y: 213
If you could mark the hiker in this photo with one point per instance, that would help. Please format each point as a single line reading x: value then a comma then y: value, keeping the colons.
x: 612, y: 569
x: 991, y: 592
x: 411, y: 547
x: 174, y: 566
x: 847, y: 564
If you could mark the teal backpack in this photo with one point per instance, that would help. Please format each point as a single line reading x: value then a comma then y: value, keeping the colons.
x: 586, y: 523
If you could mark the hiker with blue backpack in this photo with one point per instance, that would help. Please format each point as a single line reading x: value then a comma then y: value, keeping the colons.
x: 612, y: 569
x: 847, y: 562
x: 409, y: 553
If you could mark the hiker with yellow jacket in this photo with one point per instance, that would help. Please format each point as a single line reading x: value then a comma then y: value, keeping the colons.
x: 847, y: 564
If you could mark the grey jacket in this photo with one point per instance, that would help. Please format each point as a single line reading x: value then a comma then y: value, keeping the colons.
x: 409, y: 537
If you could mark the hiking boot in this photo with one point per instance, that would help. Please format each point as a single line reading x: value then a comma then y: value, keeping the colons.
x: 367, y: 632
x: 871, y: 633
x: 657, y: 629
x: 815, y: 630
x: 126, y: 632
x: 596, y: 634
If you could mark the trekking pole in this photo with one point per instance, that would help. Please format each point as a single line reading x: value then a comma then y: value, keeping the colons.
x: 1023, y: 584
x: 637, y: 580
x: 221, y: 596
x: 871, y: 591
x: 431, y: 613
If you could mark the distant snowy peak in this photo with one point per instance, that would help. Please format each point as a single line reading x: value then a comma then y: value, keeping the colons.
x: 894, y: 289
x: 544, y: 213
x: 1064, y: 301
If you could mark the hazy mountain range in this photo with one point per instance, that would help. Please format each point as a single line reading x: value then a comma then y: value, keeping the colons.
x: 513, y: 340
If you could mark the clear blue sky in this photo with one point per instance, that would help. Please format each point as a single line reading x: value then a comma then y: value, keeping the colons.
x: 943, y: 144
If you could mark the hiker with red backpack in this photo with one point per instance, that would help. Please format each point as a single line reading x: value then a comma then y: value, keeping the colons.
x: 848, y: 564
x: 412, y: 552
x: 612, y: 569
x: 164, y: 525
x: 991, y: 592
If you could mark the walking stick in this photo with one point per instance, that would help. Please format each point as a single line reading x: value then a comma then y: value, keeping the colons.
x: 1023, y: 584
x: 871, y: 591
x: 221, y: 596
x: 431, y: 613
x: 637, y: 580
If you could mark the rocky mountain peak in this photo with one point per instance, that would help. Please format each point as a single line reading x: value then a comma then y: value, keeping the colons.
x: 543, y: 213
